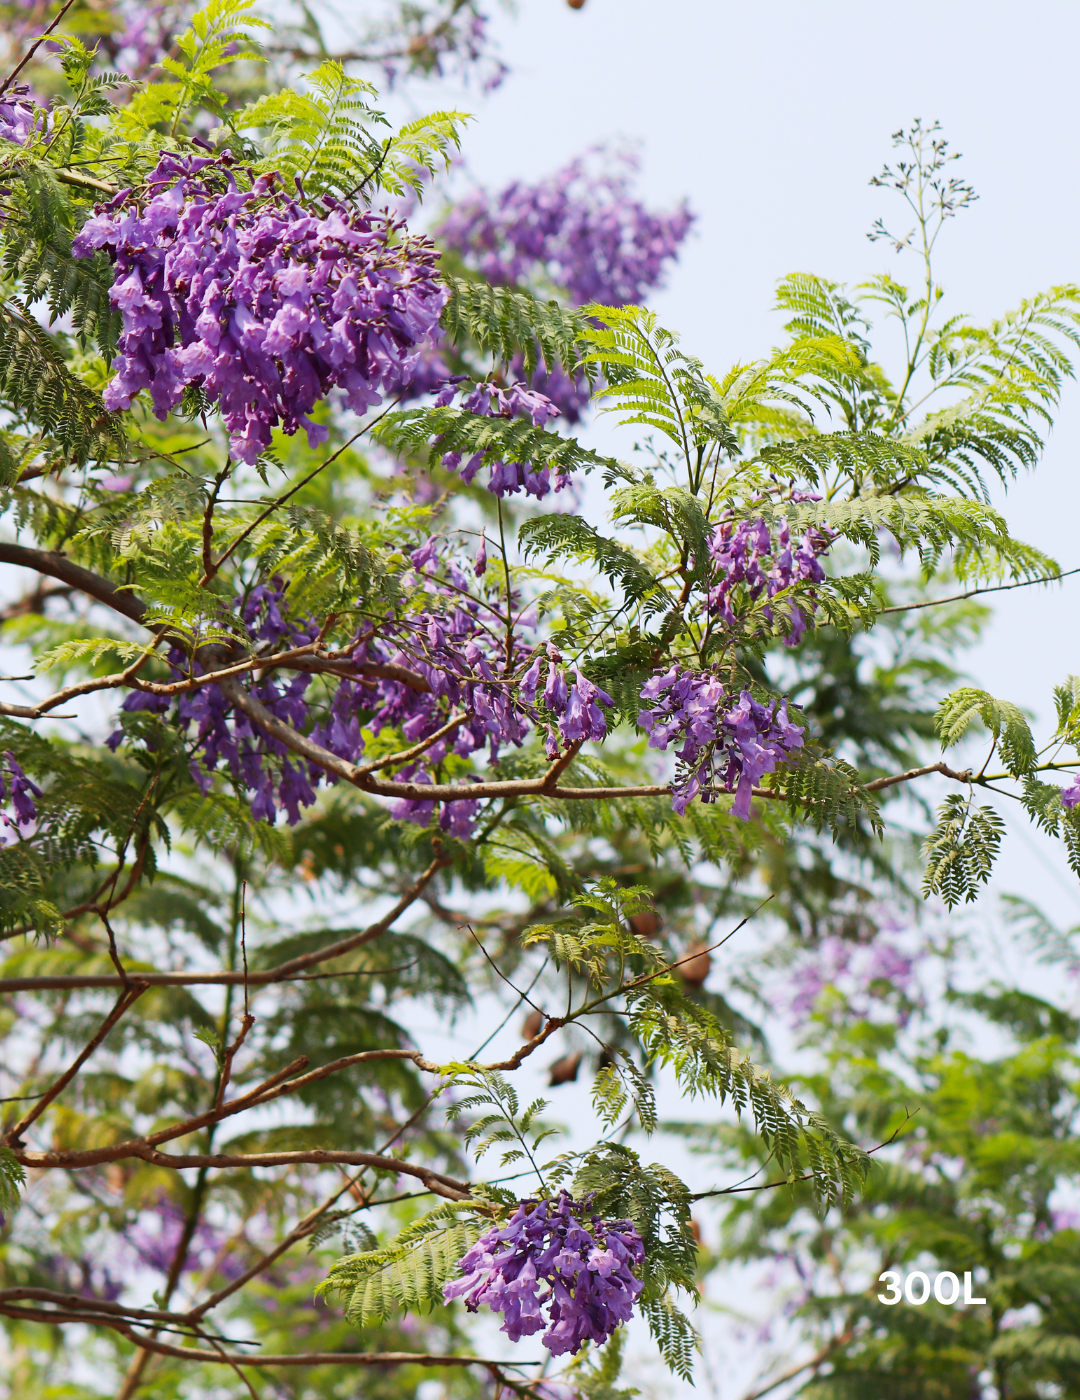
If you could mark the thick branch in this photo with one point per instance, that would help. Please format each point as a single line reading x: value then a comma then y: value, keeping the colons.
x: 125, y: 1151
x: 61, y: 567
x: 76, y: 1302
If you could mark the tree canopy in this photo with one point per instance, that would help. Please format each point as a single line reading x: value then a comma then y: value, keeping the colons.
x: 362, y: 682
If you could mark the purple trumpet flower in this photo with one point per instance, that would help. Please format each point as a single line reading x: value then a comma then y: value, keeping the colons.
x: 494, y: 401
x: 544, y: 1268
x: 728, y: 745
x: 264, y: 302
x: 745, y: 554
x: 21, y: 791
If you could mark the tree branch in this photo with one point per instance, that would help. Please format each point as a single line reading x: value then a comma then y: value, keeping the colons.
x: 441, y: 1185
x: 300, y: 1358
x: 282, y: 973
x: 13, y: 1134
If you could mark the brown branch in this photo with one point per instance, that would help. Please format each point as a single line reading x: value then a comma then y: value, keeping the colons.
x: 300, y: 1358
x: 62, y: 568
x: 813, y: 1364
x: 32, y: 50
x: 974, y: 592
x: 879, y: 784
x: 422, y: 792
x: 77, y: 1303
x: 441, y: 1185
x: 13, y: 1135
x: 246, y: 1024
x: 59, y: 566
x: 126, y: 678
x: 282, y: 973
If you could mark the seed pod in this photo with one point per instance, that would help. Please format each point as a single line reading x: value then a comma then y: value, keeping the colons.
x: 695, y: 965
x: 647, y: 924
x: 532, y: 1025
x: 565, y: 1071
x: 575, y: 4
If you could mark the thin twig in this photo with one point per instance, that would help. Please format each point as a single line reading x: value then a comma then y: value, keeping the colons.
x: 32, y: 50
x: 972, y: 593
x: 127, y: 999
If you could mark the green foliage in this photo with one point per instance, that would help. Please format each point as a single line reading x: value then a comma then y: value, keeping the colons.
x: 652, y: 383
x: 658, y: 1203
x: 12, y: 1179
x: 521, y: 1131
x: 1005, y: 721
x: 322, y: 138
x: 37, y: 255
x: 828, y: 793
x: 504, y: 323
x: 596, y: 899
x: 1006, y: 1126
x: 38, y: 386
x: 961, y: 851
x: 435, y: 432
x: 410, y: 1273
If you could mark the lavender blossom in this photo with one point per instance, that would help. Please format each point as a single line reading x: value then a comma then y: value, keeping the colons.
x: 1070, y: 795
x: 745, y: 556
x: 455, y: 665
x: 491, y: 400
x: 20, y: 116
x: 725, y: 745
x: 580, y: 229
x: 20, y: 820
x: 588, y: 1274
x: 265, y: 303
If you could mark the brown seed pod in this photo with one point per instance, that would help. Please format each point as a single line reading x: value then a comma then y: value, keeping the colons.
x: 532, y: 1025
x: 565, y: 1071
x: 647, y: 924
x: 695, y: 964
x: 575, y: 4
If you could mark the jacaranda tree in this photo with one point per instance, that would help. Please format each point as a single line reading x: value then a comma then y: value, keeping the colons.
x: 300, y: 539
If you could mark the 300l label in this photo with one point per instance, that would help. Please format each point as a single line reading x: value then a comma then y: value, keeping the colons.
x: 915, y: 1288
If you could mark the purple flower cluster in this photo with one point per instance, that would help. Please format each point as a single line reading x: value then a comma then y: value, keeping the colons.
x: 144, y: 35
x: 493, y: 401
x: 412, y: 673
x: 881, y: 973
x: 20, y: 116
x: 263, y: 302
x: 155, y: 1236
x: 745, y: 556
x: 723, y: 744
x: 20, y: 820
x: 587, y: 1274
x: 259, y: 763
x: 580, y: 229
x: 1070, y: 795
